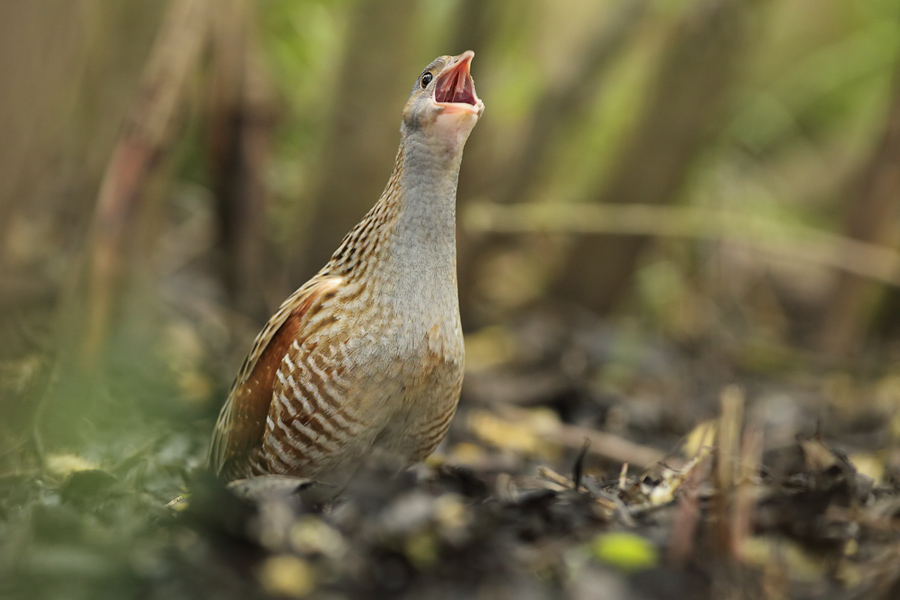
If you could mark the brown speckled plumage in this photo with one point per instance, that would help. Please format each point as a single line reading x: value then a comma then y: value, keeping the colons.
x: 367, y: 357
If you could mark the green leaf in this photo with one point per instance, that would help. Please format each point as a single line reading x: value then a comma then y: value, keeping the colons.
x: 625, y: 551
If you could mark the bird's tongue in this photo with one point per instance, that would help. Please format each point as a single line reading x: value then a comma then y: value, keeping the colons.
x: 455, y: 86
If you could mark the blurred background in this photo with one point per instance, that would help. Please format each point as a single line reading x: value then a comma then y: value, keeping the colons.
x: 711, y: 178
x: 707, y: 185
x: 664, y: 197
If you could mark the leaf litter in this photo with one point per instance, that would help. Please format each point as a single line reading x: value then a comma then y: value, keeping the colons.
x: 567, y: 494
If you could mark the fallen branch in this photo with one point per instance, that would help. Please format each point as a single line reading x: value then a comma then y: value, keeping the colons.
x: 602, y: 445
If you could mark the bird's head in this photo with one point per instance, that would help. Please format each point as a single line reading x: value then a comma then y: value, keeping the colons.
x: 443, y: 104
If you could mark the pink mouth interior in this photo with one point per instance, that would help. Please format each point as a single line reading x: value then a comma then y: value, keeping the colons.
x: 455, y: 86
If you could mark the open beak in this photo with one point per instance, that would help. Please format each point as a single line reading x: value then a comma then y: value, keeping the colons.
x: 455, y: 90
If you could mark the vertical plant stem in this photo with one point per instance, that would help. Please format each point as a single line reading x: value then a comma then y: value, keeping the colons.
x: 145, y: 138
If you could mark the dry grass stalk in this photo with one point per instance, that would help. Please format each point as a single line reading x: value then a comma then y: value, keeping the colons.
x: 729, y: 443
x: 145, y: 138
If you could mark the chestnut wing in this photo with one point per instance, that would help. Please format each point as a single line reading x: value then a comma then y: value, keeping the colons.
x: 242, y: 421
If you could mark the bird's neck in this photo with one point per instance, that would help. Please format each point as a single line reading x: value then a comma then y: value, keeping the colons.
x: 424, y: 231
x: 406, y: 245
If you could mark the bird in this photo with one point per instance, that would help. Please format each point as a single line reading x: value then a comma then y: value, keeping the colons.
x: 366, y: 358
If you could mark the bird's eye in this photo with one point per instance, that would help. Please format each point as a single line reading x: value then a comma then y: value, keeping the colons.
x: 426, y: 79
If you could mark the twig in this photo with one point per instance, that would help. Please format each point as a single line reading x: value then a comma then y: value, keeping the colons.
x: 729, y: 440
x: 684, y: 526
x: 791, y: 240
x: 745, y: 494
x: 608, y: 446
x: 552, y: 476
x: 578, y: 469
x: 601, y: 444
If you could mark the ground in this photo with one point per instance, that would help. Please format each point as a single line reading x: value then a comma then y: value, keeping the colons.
x: 574, y: 469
